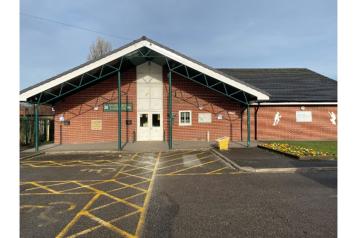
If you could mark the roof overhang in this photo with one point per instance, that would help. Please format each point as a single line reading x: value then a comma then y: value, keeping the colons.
x: 132, y: 47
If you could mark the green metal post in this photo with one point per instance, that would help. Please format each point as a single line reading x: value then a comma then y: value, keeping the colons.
x: 248, y: 125
x: 36, y: 127
x: 26, y: 130
x: 119, y: 112
x: 170, y: 110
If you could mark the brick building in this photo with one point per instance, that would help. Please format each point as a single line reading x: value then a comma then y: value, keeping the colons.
x: 150, y: 82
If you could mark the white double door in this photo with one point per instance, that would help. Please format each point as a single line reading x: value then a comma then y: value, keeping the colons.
x: 149, y: 102
x: 150, y: 126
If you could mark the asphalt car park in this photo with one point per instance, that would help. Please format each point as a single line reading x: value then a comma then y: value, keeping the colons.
x: 190, y: 193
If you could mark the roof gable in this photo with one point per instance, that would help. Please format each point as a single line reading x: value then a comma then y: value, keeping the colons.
x: 132, y: 47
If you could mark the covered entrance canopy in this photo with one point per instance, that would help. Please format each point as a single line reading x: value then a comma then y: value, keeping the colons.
x: 135, y: 53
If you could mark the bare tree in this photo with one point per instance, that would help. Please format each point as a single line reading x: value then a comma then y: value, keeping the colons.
x: 99, y: 48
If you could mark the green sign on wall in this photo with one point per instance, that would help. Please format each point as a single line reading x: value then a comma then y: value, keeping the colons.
x: 113, y: 107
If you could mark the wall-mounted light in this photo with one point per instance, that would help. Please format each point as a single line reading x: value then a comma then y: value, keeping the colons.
x: 95, y: 108
x: 52, y: 109
x: 61, y: 118
x: 200, y: 107
x: 302, y: 108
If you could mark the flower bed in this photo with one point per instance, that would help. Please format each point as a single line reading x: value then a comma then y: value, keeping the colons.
x: 298, y: 152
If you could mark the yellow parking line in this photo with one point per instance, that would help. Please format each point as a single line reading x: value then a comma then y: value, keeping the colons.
x: 130, y: 186
x: 199, y: 165
x: 98, y: 226
x: 147, y: 199
x: 134, y: 184
x: 44, y: 187
x: 181, y: 158
x: 109, y: 226
x: 203, y: 158
x: 32, y: 194
x: 96, y: 183
x: 77, y: 216
x: 215, y: 171
x: 108, y: 204
x: 48, y: 185
x: 112, y: 197
x: 121, y: 169
x: 54, y: 181
x: 135, y: 167
x: 136, y: 176
x: 53, y: 162
x: 188, y: 174
x: 179, y: 154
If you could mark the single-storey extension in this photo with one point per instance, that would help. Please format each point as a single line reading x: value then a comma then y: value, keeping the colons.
x: 145, y: 91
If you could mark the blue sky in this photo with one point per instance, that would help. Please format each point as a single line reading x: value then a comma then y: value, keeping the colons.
x: 226, y: 33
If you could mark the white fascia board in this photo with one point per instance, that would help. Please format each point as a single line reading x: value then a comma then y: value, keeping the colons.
x: 293, y: 103
x: 204, y: 70
x: 24, y: 96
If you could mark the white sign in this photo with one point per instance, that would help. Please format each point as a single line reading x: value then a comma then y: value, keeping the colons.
x: 303, y: 116
x: 333, y: 118
x: 276, y: 118
x: 204, y: 117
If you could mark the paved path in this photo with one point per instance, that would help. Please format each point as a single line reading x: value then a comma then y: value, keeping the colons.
x: 259, y: 158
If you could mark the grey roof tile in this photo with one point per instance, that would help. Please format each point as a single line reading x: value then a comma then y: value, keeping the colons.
x: 288, y: 84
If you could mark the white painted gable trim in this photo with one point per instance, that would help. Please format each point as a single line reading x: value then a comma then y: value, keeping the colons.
x: 24, y: 96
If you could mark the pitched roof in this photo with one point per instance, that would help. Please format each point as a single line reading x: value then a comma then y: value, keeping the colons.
x: 131, y: 47
x: 289, y: 84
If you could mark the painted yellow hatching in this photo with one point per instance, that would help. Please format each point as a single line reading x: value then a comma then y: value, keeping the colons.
x: 147, y: 199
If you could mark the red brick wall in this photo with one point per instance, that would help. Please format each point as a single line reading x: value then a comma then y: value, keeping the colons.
x: 79, y: 109
x: 320, y: 128
x: 187, y: 95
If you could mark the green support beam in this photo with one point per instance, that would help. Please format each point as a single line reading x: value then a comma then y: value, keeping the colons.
x: 206, y: 84
x: 36, y: 128
x: 90, y: 80
x: 248, y: 125
x: 170, y: 110
x: 119, y: 112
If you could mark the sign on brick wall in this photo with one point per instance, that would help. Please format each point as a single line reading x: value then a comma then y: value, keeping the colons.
x: 113, y: 107
x: 303, y: 116
x: 96, y: 125
x: 204, y: 117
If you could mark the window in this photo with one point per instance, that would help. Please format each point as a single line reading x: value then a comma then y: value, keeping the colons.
x: 185, y: 118
x: 155, y: 120
x: 144, y: 120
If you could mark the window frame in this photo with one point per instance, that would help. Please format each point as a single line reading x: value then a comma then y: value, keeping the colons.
x: 185, y: 123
